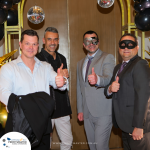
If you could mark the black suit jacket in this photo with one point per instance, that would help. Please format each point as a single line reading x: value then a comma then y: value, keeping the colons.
x: 30, y: 113
x: 130, y: 103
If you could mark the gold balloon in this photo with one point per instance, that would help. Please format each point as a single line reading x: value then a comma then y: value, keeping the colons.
x: 6, y: 57
x: 147, y: 58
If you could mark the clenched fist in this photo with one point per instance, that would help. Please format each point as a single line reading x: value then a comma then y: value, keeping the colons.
x: 92, y: 78
x: 59, y: 79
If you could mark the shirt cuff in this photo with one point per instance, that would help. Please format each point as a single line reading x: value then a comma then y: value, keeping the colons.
x: 98, y: 81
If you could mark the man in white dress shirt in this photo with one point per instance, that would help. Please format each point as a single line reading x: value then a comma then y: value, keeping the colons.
x: 27, y: 74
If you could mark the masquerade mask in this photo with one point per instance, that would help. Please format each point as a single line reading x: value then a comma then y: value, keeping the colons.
x: 127, y: 44
x: 91, y: 40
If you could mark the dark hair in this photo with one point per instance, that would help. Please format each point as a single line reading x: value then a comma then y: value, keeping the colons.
x: 29, y: 32
x: 91, y: 32
x: 51, y: 29
x: 129, y: 34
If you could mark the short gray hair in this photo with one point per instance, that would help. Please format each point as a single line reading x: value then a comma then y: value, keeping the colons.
x: 51, y: 29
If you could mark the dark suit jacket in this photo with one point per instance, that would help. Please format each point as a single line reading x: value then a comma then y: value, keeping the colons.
x: 30, y: 113
x: 130, y: 103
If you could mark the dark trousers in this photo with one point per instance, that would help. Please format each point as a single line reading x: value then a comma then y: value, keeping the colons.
x: 130, y: 144
x: 44, y: 144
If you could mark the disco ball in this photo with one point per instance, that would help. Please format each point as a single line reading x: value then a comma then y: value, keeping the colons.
x: 36, y: 14
x: 105, y: 3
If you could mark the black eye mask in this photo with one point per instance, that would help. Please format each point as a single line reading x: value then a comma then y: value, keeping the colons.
x: 126, y: 43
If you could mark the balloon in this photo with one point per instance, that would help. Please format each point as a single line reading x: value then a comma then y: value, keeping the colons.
x: 6, y: 4
x: 141, y: 6
x: 138, y: 7
x: 142, y: 20
x: 136, y: 0
x: 3, y: 15
x: 16, y: 1
x: 1, y: 31
x: 146, y: 3
x: 12, y: 18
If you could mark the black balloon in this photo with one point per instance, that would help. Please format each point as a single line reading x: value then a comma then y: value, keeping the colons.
x: 16, y: 1
x: 146, y: 3
x: 142, y: 20
x: 6, y: 4
x: 138, y: 7
x: 141, y: 6
x: 3, y: 15
x: 1, y: 31
x: 12, y: 18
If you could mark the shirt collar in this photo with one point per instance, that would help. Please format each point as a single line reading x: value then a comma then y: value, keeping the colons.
x: 46, y: 54
x: 19, y: 60
x: 89, y: 56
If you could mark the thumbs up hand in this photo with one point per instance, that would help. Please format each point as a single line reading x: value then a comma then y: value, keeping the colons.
x: 59, y: 79
x: 92, y: 78
x: 114, y: 87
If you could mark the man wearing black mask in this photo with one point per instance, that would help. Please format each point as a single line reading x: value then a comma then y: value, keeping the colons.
x: 130, y: 90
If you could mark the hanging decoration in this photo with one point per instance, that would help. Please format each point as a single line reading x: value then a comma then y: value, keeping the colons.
x: 36, y: 15
x: 105, y: 3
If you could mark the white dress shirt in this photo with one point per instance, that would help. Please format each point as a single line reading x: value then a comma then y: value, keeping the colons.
x: 17, y: 78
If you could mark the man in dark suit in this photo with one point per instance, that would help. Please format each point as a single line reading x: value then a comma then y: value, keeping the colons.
x: 130, y: 89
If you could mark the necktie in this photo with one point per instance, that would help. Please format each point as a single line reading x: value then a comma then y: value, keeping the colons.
x: 121, y: 68
x: 87, y: 67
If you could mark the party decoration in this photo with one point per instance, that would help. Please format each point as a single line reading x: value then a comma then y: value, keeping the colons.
x: 136, y: 0
x: 142, y: 20
x: 3, y: 15
x: 6, y: 4
x: 36, y: 14
x: 16, y: 1
x: 12, y: 18
x: 138, y: 7
x: 141, y: 6
x: 105, y: 3
x: 6, y: 57
x: 1, y: 32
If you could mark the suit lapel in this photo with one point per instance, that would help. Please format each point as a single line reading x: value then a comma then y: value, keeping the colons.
x: 97, y: 56
x: 127, y: 66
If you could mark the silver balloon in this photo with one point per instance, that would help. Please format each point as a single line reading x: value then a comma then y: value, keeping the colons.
x: 105, y: 3
x: 36, y: 14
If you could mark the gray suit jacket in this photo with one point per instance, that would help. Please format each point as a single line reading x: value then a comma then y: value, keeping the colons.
x: 91, y: 98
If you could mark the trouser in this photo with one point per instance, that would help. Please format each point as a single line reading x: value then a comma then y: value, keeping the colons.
x: 63, y: 128
x: 44, y: 144
x: 130, y: 144
x: 98, y: 131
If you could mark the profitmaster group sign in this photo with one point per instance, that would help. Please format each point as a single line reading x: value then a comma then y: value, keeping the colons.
x: 14, y: 141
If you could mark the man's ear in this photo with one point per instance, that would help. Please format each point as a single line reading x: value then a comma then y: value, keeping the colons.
x: 83, y: 45
x: 20, y: 45
x: 43, y: 40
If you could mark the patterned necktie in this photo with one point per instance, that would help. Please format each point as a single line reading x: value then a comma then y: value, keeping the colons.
x: 87, y: 67
x: 121, y: 68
